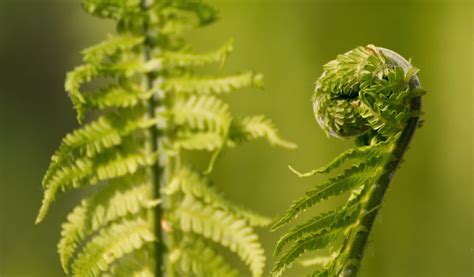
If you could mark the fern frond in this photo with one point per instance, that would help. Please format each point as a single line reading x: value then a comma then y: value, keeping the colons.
x: 185, y: 59
x: 352, y: 178
x: 139, y: 263
x: 203, y: 85
x: 113, y: 45
x: 149, y: 106
x: 104, y: 133
x: 204, y: 12
x: 124, y: 196
x: 222, y: 228
x: 199, y: 187
x: 359, y: 153
x: 86, y: 73
x: 313, y: 242
x: 195, y: 257
x: 318, y: 224
x: 111, y: 244
x: 205, y: 113
x: 372, y: 94
x: 115, y: 96
x: 255, y: 127
x: 109, y: 165
x: 113, y: 9
x: 191, y: 140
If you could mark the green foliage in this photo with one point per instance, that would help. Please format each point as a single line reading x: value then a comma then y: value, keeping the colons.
x: 210, y: 85
x: 361, y: 93
x: 149, y: 106
x: 111, y: 244
x: 223, y: 228
x: 195, y: 257
x: 254, y: 127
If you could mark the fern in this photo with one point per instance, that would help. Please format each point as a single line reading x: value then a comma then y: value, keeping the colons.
x: 151, y: 212
x: 195, y: 257
x: 374, y: 94
x: 224, y: 228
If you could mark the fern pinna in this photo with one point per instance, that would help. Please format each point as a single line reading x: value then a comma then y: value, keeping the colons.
x: 372, y: 94
x: 152, y: 213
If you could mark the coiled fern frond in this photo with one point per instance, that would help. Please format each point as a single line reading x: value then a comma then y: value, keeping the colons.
x: 152, y: 213
x: 372, y: 94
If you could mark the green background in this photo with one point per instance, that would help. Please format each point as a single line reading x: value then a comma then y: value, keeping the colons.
x: 426, y: 224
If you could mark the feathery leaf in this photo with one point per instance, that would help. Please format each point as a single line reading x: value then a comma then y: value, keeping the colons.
x: 195, y: 257
x: 352, y: 178
x: 128, y: 195
x: 203, y: 85
x: 255, y: 127
x: 186, y: 59
x: 190, y: 140
x: 314, y: 242
x: 197, y: 186
x: 149, y: 105
x: 115, y: 96
x: 111, y: 244
x: 109, y: 165
x: 205, y: 113
x: 372, y: 94
x: 113, y: 45
x: 223, y: 228
x: 138, y: 263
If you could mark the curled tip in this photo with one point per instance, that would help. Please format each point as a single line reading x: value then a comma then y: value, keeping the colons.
x: 356, y: 87
x: 302, y: 175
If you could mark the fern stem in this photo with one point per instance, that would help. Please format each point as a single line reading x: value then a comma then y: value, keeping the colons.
x: 158, y: 181
x: 358, y: 244
x: 158, y: 171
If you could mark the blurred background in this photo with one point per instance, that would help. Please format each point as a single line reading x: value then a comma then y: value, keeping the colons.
x: 426, y: 224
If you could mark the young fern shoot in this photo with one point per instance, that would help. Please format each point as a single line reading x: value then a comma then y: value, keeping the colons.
x: 373, y: 94
x: 152, y: 213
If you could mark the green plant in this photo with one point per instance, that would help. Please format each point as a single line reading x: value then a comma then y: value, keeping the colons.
x: 373, y: 94
x: 152, y: 212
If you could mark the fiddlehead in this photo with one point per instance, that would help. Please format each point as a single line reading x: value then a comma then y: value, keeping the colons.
x: 153, y: 213
x: 374, y: 95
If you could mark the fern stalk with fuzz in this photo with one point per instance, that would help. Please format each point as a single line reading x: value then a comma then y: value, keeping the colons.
x: 152, y: 213
x: 372, y: 94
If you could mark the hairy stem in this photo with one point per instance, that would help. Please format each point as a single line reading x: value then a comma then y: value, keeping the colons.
x: 157, y: 174
x: 358, y: 244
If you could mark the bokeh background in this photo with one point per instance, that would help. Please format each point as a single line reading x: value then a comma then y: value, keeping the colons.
x: 426, y: 224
